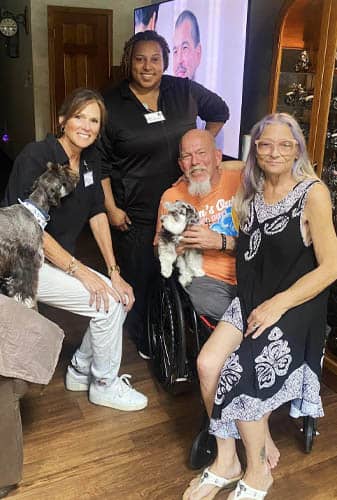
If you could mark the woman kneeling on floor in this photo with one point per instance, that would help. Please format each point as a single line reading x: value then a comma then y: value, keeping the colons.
x: 66, y: 283
x: 275, y: 327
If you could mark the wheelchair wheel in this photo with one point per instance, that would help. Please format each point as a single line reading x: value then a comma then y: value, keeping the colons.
x: 165, y: 325
x: 203, y: 450
x: 309, y: 431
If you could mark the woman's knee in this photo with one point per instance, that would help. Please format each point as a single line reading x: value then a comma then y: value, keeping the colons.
x: 116, y: 310
x: 208, y: 370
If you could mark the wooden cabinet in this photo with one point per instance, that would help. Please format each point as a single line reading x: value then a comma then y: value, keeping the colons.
x: 304, y: 84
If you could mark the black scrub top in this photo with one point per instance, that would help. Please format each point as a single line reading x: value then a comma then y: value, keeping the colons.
x: 141, y: 157
x: 67, y: 220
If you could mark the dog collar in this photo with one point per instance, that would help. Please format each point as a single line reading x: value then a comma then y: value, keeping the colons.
x: 40, y: 215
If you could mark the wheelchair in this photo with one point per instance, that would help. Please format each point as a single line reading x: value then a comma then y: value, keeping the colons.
x: 176, y: 334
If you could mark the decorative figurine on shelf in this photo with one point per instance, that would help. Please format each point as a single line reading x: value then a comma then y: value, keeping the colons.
x: 306, y: 99
x: 303, y: 64
x: 297, y: 95
x: 296, y: 91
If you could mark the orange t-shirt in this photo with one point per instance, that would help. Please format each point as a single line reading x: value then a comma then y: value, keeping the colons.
x: 211, y: 208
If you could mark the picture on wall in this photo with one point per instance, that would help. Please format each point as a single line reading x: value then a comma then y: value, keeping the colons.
x: 207, y: 41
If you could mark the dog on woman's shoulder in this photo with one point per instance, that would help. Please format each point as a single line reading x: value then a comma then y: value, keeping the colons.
x: 21, y: 233
x: 179, y: 215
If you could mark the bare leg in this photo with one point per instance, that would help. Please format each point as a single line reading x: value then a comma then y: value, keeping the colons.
x: 212, y: 356
x: 223, y: 341
x: 272, y: 452
x: 226, y: 465
x: 258, y: 473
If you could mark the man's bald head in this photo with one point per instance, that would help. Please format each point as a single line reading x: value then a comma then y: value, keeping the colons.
x: 199, y: 160
x: 196, y: 133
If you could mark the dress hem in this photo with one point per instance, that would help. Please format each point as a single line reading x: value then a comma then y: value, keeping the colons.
x: 301, y: 388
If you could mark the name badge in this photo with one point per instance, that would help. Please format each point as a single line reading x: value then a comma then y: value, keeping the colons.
x: 156, y: 116
x: 88, y: 178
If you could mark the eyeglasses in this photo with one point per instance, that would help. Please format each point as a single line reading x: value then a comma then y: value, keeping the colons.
x: 187, y: 157
x: 266, y: 147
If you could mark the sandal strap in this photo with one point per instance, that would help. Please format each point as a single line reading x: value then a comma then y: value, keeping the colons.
x: 208, y: 477
x: 242, y: 490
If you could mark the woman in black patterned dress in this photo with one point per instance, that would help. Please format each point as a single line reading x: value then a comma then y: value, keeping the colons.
x: 275, y: 327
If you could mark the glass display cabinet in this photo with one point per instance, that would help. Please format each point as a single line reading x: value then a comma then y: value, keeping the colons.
x: 304, y: 84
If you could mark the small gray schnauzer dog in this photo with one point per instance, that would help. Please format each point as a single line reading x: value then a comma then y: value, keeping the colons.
x: 174, y: 223
x: 21, y: 233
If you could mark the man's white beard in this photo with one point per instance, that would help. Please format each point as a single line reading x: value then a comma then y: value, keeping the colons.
x: 199, y: 188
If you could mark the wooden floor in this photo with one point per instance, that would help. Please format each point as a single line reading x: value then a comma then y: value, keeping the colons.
x: 74, y: 450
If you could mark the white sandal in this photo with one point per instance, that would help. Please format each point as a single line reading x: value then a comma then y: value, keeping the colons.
x: 208, y: 477
x: 242, y: 490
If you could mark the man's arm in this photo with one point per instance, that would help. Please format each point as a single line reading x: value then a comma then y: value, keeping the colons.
x: 203, y: 238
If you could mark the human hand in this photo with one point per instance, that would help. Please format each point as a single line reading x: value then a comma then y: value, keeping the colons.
x: 201, y: 237
x: 98, y: 289
x: 119, y: 219
x: 124, y: 290
x: 265, y: 315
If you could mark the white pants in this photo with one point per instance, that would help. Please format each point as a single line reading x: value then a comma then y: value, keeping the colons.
x: 101, y: 348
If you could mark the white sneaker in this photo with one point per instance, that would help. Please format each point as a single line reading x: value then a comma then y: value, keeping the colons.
x: 76, y: 381
x: 120, y: 395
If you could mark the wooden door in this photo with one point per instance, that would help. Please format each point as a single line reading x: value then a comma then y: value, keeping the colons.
x: 80, y: 48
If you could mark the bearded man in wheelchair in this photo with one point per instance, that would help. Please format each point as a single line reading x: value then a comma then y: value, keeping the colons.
x: 207, y: 185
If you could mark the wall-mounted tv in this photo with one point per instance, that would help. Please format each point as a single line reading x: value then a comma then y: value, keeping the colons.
x: 207, y: 40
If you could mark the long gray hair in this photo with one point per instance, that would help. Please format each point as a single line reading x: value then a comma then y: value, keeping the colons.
x: 252, y: 173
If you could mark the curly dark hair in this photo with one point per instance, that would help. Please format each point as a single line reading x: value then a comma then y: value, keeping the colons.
x: 142, y: 36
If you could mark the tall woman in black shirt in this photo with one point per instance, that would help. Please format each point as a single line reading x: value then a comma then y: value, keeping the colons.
x: 147, y: 115
x: 66, y: 283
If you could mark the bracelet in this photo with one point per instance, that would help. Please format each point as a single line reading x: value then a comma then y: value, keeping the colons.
x: 223, y: 242
x: 112, y: 269
x: 72, y: 267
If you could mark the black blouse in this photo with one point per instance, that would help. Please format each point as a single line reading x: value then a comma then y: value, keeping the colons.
x: 141, y: 157
x: 67, y: 220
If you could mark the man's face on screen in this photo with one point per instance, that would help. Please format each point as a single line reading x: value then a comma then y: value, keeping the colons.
x: 186, y: 55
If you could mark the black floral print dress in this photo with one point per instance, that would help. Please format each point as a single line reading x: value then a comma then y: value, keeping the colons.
x: 284, y: 363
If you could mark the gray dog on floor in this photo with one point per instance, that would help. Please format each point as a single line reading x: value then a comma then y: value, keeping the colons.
x: 21, y: 233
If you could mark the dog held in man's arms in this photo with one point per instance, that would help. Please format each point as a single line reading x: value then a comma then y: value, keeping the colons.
x: 179, y: 215
x: 21, y: 233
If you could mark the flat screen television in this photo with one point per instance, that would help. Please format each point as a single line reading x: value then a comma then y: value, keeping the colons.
x: 207, y: 40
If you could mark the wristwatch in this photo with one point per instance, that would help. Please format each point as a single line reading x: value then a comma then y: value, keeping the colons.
x: 113, y: 268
